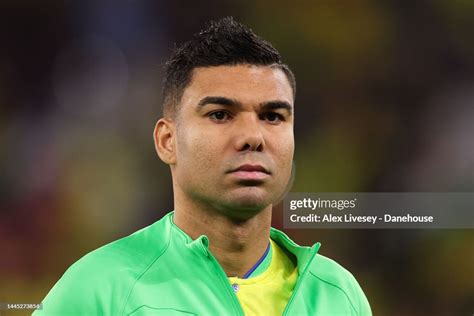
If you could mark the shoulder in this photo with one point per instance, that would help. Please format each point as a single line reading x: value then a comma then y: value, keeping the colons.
x: 100, y: 281
x: 128, y: 255
x: 332, y: 274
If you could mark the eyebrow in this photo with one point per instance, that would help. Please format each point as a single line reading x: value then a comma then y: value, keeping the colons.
x: 219, y: 100
x: 265, y: 106
x: 275, y: 105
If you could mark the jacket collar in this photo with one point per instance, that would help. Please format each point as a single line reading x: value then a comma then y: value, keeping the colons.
x: 303, y: 254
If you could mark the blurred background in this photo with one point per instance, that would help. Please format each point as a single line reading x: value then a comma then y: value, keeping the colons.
x: 385, y: 95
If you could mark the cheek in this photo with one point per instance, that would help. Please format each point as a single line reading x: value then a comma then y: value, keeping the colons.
x: 194, y: 152
x: 285, y: 156
x: 285, y: 147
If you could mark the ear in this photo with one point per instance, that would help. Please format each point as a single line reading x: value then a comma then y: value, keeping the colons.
x: 165, y: 142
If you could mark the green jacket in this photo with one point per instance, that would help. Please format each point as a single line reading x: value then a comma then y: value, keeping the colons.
x: 160, y: 270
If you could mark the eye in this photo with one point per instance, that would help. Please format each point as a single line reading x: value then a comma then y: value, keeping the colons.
x: 273, y: 117
x: 219, y: 116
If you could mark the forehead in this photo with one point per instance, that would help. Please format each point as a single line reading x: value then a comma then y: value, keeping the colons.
x: 245, y: 83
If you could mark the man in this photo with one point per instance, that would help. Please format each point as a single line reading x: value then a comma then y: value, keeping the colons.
x: 227, y: 135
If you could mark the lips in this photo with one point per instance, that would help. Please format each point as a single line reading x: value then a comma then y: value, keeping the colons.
x: 251, y: 168
x: 251, y: 173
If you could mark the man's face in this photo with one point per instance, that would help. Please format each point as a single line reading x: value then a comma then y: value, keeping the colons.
x: 234, y: 138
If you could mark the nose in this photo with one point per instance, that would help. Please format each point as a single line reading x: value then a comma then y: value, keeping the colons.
x: 249, y: 134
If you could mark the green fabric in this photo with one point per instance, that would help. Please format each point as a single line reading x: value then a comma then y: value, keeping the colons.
x: 160, y: 270
x: 263, y: 265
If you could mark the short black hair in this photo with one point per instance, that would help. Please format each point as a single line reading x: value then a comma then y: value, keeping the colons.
x: 223, y: 42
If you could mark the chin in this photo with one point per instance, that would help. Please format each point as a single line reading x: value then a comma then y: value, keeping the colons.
x: 251, y: 201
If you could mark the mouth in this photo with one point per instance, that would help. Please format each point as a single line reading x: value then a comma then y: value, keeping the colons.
x: 251, y: 173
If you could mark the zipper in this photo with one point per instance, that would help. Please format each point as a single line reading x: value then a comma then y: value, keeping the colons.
x: 230, y: 291
x: 298, y: 283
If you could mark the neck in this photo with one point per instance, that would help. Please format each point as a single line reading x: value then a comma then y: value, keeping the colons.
x: 236, y: 244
